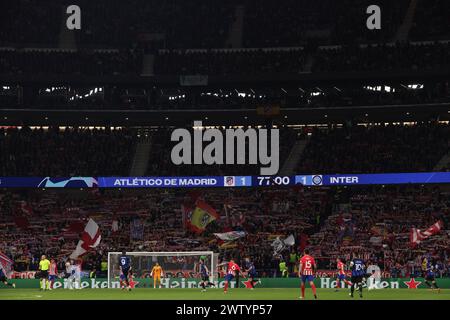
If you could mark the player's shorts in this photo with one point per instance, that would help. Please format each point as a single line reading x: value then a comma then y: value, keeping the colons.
x: 157, y: 277
x: 122, y: 277
x: 341, y: 276
x: 229, y: 277
x: 43, y: 274
x: 52, y: 277
x: 357, y: 279
x: 307, y: 278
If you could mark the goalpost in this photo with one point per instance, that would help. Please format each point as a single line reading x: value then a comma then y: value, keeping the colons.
x: 183, y: 264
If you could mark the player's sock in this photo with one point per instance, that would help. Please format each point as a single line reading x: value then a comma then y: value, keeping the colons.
x: 360, y: 291
x: 338, y: 284
x: 211, y: 284
x: 428, y: 284
x: 352, y: 289
x: 225, y: 289
x: 303, y: 290
x: 203, y: 285
x: 313, y: 287
x: 348, y: 282
x: 435, y: 285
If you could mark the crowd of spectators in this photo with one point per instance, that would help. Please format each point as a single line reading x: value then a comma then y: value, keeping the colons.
x: 178, y: 24
x: 386, y: 57
x: 65, y: 152
x: 375, y: 223
x: 114, y: 23
x: 272, y: 24
x: 51, y: 62
x: 353, y: 58
x: 296, y: 22
x: 200, y: 24
x: 431, y: 20
x: 236, y: 62
x: 371, y: 222
x: 383, y: 57
x: 34, y: 22
x: 72, y: 151
x: 372, y: 149
x: 160, y: 163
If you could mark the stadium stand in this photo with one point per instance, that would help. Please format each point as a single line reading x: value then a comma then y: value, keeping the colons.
x: 362, y: 149
x: 372, y: 221
x: 305, y: 57
x: 65, y: 151
x: 431, y: 11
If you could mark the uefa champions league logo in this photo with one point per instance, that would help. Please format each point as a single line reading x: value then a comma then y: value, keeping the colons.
x: 86, y: 182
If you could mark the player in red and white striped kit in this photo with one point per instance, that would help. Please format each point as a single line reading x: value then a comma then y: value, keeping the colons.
x: 306, y: 272
x: 341, y: 274
x: 52, y: 273
x: 232, y: 270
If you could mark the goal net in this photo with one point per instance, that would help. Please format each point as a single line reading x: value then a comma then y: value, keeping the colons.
x: 179, y: 265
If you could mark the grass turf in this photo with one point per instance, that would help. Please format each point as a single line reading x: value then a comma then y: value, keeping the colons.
x: 217, y: 294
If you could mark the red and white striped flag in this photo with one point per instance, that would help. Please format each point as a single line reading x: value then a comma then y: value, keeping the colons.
x: 6, y: 264
x: 416, y: 235
x: 90, y: 238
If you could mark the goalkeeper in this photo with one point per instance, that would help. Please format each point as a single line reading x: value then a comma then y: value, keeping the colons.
x: 156, y: 273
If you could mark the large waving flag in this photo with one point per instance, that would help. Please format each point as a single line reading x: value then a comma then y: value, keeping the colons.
x: 90, y: 238
x: 6, y: 264
x: 198, y: 218
x: 416, y: 235
x: 279, y: 245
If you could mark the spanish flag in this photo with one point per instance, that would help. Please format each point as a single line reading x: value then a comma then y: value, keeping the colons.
x: 198, y: 218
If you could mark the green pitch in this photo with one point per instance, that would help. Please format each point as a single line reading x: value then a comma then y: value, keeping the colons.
x: 217, y: 294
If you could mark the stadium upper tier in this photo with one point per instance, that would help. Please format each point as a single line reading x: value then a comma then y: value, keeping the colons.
x: 342, y: 76
x: 354, y: 58
x: 68, y: 152
x: 217, y: 24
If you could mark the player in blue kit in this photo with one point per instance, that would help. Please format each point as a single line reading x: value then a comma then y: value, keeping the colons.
x: 204, y: 273
x: 358, y: 269
x: 251, y: 272
x: 430, y: 277
x: 125, y: 268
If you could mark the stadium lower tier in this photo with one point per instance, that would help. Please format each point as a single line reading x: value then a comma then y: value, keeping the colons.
x: 271, y: 226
